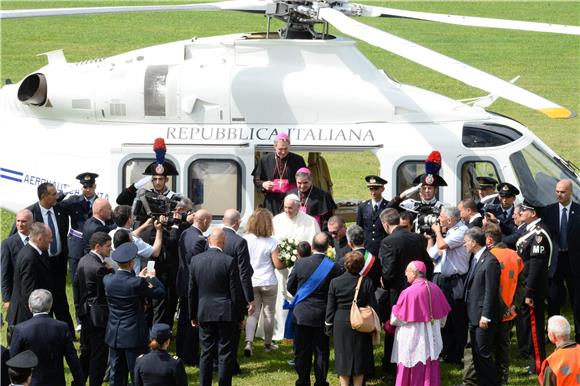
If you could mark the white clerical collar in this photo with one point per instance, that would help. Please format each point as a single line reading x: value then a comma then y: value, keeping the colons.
x: 40, y: 313
x: 35, y: 247
x: 533, y: 224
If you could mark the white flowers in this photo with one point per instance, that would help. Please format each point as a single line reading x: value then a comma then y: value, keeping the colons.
x: 288, y: 252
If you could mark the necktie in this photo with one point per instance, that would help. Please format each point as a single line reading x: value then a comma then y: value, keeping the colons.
x: 505, y: 215
x: 375, y: 208
x: 26, y: 240
x: 564, y: 231
x: 53, y: 246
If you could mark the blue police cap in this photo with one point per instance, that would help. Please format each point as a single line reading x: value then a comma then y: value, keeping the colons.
x: 160, y: 332
x: 87, y: 179
x: 507, y: 189
x: 24, y: 360
x: 486, y: 182
x: 373, y: 181
x: 125, y: 253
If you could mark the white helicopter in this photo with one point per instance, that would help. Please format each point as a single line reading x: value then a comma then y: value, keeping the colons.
x: 219, y: 101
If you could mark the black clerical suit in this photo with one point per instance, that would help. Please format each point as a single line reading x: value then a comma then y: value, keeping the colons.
x: 58, y: 263
x: 93, y: 312
x: 10, y: 248
x: 51, y: 341
x: 565, y: 264
x: 308, y: 320
x: 217, y: 303
x: 534, y: 247
x: 192, y: 242
x: 270, y: 167
x: 127, y: 332
x: 482, y: 299
x: 397, y: 250
x: 32, y: 272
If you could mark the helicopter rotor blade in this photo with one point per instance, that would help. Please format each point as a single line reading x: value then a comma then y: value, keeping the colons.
x: 470, y: 21
x: 442, y: 64
x: 234, y: 5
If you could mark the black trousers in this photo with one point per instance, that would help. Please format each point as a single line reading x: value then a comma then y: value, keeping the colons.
x: 216, y: 337
x: 539, y: 311
x: 482, y: 347
x: 59, y: 299
x: 309, y: 341
x: 164, y: 308
x: 94, y: 353
x: 454, y: 333
x: 387, y: 299
x: 187, y: 339
x: 557, y: 290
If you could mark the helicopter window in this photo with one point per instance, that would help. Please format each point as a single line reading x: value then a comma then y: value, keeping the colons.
x: 133, y: 172
x: 407, y: 172
x: 215, y: 184
x: 155, y: 84
x: 538, y: 173
x: 488, y: 134
x: 472, y: 169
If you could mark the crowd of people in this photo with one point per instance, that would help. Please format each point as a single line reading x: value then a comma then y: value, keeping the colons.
x: 446, y: 283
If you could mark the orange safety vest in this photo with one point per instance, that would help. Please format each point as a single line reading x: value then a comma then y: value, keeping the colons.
x: 565, y: 364
x: 511, y: 267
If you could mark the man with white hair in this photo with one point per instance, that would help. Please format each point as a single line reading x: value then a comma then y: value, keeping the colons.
x: 563, y: 366
x: 49, y: 339
x: 275, y: 173
x: 293, y: 223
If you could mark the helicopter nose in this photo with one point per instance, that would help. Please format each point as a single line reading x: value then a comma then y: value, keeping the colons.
x: 33, y: 90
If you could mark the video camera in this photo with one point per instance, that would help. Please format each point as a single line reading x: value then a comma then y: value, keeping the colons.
x: 427, y: 215
x: 152, y: 205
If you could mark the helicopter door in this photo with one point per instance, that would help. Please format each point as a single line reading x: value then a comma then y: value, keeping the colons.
x: 469, y: 169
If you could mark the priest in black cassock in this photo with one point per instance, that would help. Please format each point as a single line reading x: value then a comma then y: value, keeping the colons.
x: 275, y: 173
x: 313, y: 201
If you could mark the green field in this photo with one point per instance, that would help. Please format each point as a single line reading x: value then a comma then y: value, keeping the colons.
x: 549, y: 65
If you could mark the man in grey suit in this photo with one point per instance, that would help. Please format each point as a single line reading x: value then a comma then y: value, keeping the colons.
x: 216, y: 305
x: 483, y: 313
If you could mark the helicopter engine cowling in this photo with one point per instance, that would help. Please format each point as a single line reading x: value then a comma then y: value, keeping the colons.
x: 33, y: 90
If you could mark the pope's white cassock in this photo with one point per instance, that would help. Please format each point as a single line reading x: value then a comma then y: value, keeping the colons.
x: 301, y: 227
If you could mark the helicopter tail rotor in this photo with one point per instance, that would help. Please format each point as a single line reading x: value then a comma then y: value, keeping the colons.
x: 443, y: 64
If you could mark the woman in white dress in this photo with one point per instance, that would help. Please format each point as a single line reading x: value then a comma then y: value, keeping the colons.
x: 263, y: 249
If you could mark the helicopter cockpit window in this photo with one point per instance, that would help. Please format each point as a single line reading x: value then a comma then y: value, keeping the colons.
x: 538, y: 174
x: 154, y: 90
x: 406, y: 173
x: 215, y: 185
x: 477, y: 134
x: 133, y: 172
x: 472, y: 169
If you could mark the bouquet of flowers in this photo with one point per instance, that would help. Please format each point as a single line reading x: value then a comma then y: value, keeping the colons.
x: 288, y: 253
x: 331, y: 253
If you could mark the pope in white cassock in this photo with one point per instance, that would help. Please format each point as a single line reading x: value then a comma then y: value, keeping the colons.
x: 291, y: 223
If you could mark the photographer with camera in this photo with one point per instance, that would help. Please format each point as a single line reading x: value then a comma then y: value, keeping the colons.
x: 451, y: 265
x: 123, y: 217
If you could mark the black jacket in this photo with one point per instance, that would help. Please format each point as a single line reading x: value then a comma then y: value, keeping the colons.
x: 191, y: 243
x: 482, y: 290
x: 88, y: 287
x: 158, y: 368
x: 91, y: 226
x: 535, y: 249
x: 237, y: 247
x: 10, y: 248
x: 311, y: 311
x: 551, y: 216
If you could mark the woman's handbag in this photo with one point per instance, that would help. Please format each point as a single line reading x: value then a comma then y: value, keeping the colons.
x: 362, y: 319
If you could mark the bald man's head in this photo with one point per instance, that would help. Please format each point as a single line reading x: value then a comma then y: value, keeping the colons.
x: 24, y: 221
x: 202, y: 219
x: 564, y: 192
x: 232, y: 218
x: 217, y: 238
x: 102, y: 209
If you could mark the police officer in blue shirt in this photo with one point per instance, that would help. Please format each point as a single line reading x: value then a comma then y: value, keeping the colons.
x: 158, y: 368
x: 127, y: 330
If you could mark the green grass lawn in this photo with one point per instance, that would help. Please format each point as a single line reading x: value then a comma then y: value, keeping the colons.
x: 549, y: 65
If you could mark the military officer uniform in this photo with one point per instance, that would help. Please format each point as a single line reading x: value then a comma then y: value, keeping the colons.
x: 367, y: 216
x: 128, y: 195
x: 491, y: 200
x: 535, y: 248
x: 158, y: 368
x: 80, y: 209
x: 505, y: 215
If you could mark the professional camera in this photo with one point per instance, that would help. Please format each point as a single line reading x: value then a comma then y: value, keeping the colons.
x: 427, y: 215
x: 152, y: 205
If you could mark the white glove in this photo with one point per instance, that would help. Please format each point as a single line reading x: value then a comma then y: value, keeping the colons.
x: 409, y: 192
x: 142, y: 182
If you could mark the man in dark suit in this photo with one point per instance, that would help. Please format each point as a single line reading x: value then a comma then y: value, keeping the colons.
x: 535, y: 249
x: 32, y: 272
x: 309, y: 314
x: 127, y: 330
x: 563, y: 221
x: 398, y: 249
x: 99, y: 222
x: 10, y: 248
x: 47, y: 210
x: 216, y: 305
x: 192, y: 242
x: 367, y: 214
x: 237, y: 247
x: 91, y: 307
x: 469, y: 213
x: 50, y: 340
x: 483, y: 312
x: 337, y: 230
